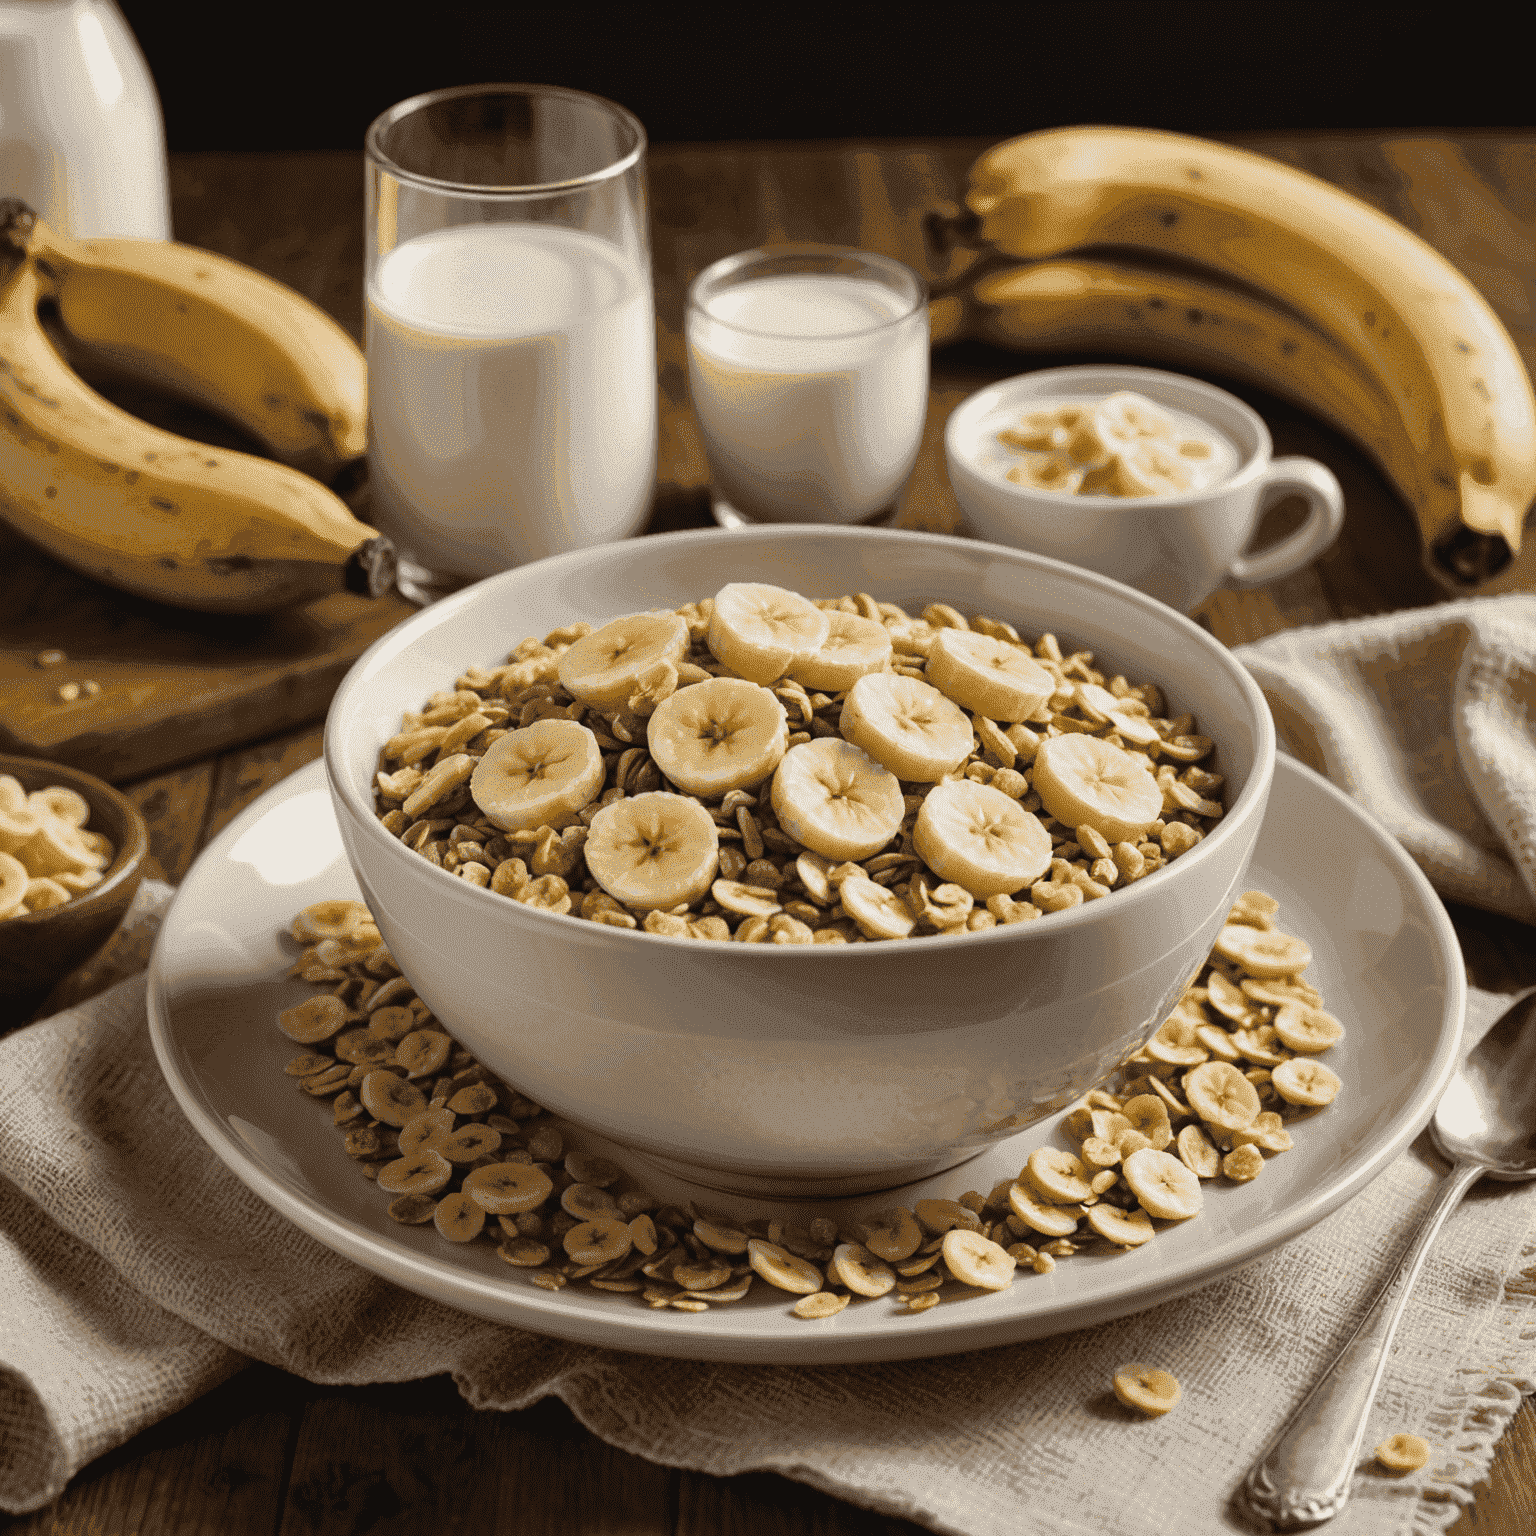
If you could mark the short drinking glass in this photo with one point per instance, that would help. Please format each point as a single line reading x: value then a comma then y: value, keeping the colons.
x: 510, y: 329
x: 809, y: 371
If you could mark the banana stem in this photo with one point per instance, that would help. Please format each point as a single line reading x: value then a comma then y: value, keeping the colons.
x: 371, y: 568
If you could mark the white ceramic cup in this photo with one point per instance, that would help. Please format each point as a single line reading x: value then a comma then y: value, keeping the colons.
x: 1179, y: 547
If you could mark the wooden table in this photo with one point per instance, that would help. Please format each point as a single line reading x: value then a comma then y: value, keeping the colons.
x: 270, y: 1452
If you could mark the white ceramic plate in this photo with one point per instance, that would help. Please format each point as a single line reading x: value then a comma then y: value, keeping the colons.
x: 1385, y: 957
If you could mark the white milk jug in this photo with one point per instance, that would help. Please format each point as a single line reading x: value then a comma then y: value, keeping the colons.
x: 82, y: 141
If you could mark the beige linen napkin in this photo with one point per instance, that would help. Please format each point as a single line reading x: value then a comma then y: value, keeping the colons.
x: 135, y: 1272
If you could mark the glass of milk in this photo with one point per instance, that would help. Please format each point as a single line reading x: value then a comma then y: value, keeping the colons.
x: 809, y: 372
x: 510, y: 329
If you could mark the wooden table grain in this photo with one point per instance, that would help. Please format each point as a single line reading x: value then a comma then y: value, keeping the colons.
x: 270, y: 1453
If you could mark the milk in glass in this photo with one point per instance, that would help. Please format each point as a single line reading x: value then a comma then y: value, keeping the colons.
x: 811, y: 389
x: 511, y: 394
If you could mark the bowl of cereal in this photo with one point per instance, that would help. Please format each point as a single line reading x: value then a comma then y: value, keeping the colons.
x: 799, y: 861
x: 72, y: 852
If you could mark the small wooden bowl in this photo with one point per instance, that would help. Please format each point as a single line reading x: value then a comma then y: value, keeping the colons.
x: 38, y: 949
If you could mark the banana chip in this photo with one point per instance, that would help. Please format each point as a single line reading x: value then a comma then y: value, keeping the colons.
x: 854, y: 1266
x: 1147, y: 1389
x: 1402, y: 1453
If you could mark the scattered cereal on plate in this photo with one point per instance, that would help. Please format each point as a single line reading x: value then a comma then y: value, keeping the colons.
x: 471, y: 1156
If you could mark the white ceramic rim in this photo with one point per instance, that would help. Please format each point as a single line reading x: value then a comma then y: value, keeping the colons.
x: 1243, y: 808
x: 711, y: 1336
x: 1121, y: 375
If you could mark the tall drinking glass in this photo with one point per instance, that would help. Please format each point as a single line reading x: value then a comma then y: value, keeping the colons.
x: 510, y: 329
x: 809, y: 372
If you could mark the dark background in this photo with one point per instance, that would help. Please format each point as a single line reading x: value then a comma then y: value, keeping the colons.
x: 289, y: 75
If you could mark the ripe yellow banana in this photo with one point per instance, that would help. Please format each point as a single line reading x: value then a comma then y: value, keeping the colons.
x: 1408, y: 316
x: 213, y: 330
x: 151, y: 512
x: 1162, y: 315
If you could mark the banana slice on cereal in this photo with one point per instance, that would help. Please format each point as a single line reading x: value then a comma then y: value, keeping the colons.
x: 879, y: 913
x: 980, y: 838
x: 854, y: 647
x: 654, y: 851
x: 831, y: 796
x: 909, y: 727
x: 761, y: 631
x: 987, y: 676
x: 603, y: 669
x: 1083, y: 780
x: 538, y: 776
x: 714, y: 737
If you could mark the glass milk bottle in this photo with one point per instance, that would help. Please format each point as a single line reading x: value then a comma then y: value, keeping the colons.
x: 82, y: 141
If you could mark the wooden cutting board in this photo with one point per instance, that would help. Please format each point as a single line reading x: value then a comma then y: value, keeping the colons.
x: 173, y: 685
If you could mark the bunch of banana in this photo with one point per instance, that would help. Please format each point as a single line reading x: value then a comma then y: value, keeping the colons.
x: 146, y: 510
x: 1177, y: 249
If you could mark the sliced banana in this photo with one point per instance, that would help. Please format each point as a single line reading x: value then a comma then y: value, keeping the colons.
x: 879, y: 913
x: 1149, y: 1115
x: 653, y: 851
x: 313, y: 1020
x: 1163, y: 1185
x: 854, y: 647
x: 538, y: 776
x: 761, y: 632
x: 503, y: 1188
x: 13, y: 882
x: 1262, y: 952
x: 1056, y: 1176
x: 987, y: 676
x: 1300, y: 1028
x: 831, y: 796
x: 779, y: 1267
x: 857, y: 1268
x: 1142, y: 469
x: 1197, y: 1153
x: 909, y: 727
x: 718, y: 736
x: 1081, y: 779
x: 1052, y: 1220
x: 1221, y: 1095
x: 980, y: 838
x: 1146, y: 1389
x: 976, y: 1260
x: 458, y: 1218
x: 1304, y: 1081
x: 1126, y: 1229
x: 892, y: 1235
x: 603, y: 669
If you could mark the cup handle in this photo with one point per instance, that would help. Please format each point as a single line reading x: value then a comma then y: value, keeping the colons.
x: 1325, y: 519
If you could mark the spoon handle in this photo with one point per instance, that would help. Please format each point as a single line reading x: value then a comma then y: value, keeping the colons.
x: 1305, y: 1475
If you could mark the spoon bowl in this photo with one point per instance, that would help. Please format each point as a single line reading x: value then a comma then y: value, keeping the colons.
x: 1488, y: 1113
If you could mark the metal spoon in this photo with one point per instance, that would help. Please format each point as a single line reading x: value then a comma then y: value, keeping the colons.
x: 1485, y: 1124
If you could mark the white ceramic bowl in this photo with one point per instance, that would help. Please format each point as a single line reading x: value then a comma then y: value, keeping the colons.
x: 800, y: 1070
